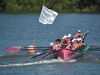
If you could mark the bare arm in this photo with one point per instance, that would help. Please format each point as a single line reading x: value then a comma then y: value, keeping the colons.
x: 68, y: 41
x: 68, y: 47
x: 85, y: 33
x: 76, y: 46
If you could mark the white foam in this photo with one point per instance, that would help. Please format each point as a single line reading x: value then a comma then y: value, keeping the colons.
x: 1, y: 55
x: 34, y: 63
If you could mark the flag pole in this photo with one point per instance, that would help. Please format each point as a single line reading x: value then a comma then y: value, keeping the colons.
x: 47, y: 16
x: 36, y: 32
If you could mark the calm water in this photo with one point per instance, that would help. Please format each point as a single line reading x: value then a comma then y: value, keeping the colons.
x: 21, y: 29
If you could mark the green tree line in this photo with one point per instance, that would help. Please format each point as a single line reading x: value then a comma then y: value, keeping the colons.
x: 57, y: 5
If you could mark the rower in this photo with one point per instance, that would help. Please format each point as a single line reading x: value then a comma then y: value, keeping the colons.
x: 51, y: 44
x: 80, y: 44
x: 74, y: 44
x: 66, y: 40
x: 57, y: 45
x: 78, y: 34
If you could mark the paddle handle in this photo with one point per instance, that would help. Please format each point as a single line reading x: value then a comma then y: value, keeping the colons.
x: 84, y: 37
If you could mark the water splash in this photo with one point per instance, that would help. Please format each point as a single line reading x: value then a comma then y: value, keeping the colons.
x: 35, y: 63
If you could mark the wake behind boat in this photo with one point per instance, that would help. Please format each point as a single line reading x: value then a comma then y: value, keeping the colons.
x: 36, y: 63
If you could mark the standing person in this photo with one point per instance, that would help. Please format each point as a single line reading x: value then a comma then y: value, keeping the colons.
x: 79, y: 34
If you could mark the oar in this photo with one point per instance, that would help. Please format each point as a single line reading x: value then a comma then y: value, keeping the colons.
x: 13, y: 49
x: 28, y: 47
x: 44, y: 52
x: 39, y: 54
x: 84, y: 37
x: 48, y: 53
x: 94, y: 50
x: 36, y: 47
x: 90, y: 48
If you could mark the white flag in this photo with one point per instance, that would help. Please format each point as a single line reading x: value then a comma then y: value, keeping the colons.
x: 47, y: 16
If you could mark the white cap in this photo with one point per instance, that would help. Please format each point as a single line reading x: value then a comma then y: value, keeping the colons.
x: 51, y: 44
x: 64, y: 37
x: 69, y: 35
x: 79, y: 39
x: 78, y: 30
x: 74, y: 40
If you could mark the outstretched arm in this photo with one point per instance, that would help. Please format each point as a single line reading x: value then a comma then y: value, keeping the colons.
x: 85, y: 33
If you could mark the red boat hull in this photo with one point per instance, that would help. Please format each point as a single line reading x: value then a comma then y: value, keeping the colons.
x: 64, y: 54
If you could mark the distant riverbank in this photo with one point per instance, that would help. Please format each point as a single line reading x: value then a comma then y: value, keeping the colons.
x: 60, y: 6
x: 23, y: 12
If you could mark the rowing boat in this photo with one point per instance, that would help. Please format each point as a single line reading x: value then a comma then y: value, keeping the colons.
x: 64, y: 54
x: 67, y: 54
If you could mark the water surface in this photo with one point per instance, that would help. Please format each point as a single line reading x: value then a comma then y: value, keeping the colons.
x: 21, y: 29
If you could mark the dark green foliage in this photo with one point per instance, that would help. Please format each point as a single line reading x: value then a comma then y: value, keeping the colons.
x: 57, y: 5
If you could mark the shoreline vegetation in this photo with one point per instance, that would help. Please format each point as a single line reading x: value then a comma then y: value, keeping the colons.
x: 60, y: 6
x: 12, y: 12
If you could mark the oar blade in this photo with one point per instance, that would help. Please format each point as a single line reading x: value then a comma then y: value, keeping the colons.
x: 12, y: 49
x: 87, y: 47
